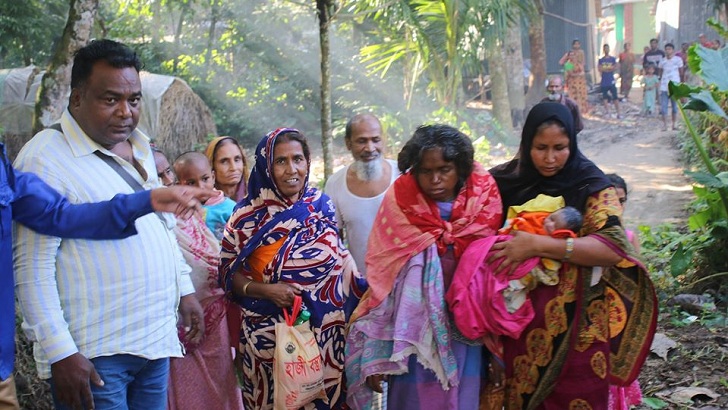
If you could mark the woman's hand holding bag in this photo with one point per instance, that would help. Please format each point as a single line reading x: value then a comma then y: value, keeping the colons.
x: 297, y: 365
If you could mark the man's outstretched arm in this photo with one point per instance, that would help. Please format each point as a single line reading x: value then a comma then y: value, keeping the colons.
x: 41, y: 208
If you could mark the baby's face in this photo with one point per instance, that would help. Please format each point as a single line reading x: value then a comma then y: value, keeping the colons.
x: 197, y: 173
x: 554, y: 222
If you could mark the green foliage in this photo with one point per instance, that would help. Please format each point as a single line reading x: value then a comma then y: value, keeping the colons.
x: 709, y: 317
x: 257, y: 66
x: 681, y: 318
x: 712, y: 65
x: 713, y: 318
x: 704, y: 246
x: 677, y: 257
x: 708, y: 209
x: 681, y: 260
x: 437, y: 39
x: 655, y: 403
x: 482, y: 149
x: 29, y: 29
x: 256, y: 70
x: 715, y: 25
x: 659, y: 249
x: 700, y: 99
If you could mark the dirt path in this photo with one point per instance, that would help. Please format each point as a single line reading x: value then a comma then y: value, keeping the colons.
x: 646, y: 157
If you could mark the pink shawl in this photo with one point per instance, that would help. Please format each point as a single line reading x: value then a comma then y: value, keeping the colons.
x: 475, y: 296
x: 408, y: 222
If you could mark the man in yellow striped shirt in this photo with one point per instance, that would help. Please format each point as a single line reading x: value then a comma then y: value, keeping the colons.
x: 103, y: 314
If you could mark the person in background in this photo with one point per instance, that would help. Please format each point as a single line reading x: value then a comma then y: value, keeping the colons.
x: 645, y: 50
x: 103, y: 315
x: 231, y: 168
x: 650, y: 86
x: 607, y: 66
x: 621, y: 186
x: 30, y: 201
x: 626, y: 70
x: 527, y: 76
x: 165, y: 173
x: 357, y: 190
x: 402, y: 330
x: 205, y: 376
x: 653, y: 56
x: 576, y: 77
x: 670, y: 67
x: 683, y: 54
x: 573, y: 347
x: 556, y: 94
x: 193, y: 168
x: 282, y: 241
x: 578, y: 52
x: 703, y: 39
x: 623, y: 397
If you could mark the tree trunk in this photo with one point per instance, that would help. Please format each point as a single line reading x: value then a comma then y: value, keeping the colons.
x: 179, y: 25
x: 324, y: 16
x: 514, y: 66
x: 499, y: 87
x: 27, y: 58
x: 538, y: 57
x: 55, y: 86
x: 214, y: 17
x: 156, y: 8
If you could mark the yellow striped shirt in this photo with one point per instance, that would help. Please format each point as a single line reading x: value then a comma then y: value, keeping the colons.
x: 98, y: 298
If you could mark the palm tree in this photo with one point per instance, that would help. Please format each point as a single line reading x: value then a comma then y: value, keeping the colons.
x: 439, y: 39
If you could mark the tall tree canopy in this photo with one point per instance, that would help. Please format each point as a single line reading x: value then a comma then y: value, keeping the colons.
x: 258, y: 65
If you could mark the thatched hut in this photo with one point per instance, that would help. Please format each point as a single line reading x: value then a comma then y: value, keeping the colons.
x: 18, y: 89
x: 172, y: 114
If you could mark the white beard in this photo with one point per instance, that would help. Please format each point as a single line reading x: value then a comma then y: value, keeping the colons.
x: 370, y: 170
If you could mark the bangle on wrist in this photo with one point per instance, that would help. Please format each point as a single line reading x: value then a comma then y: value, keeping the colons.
x: 245, y: 288
x: 569, y: 248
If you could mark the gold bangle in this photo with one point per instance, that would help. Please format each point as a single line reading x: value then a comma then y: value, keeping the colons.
x: 245, y: 288
x: 569, y: 248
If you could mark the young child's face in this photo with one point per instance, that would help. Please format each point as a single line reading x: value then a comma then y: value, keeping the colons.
x: 650, y: 70
x: 196, y: 173
x: 554, y: 222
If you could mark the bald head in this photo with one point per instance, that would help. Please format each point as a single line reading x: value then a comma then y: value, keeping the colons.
x: 193, y: 168
x: 360, y: 119
x: 191, y: 157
